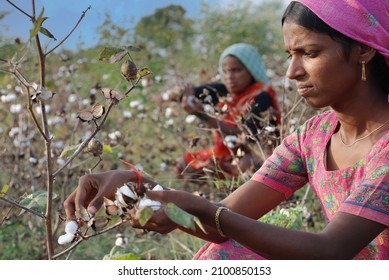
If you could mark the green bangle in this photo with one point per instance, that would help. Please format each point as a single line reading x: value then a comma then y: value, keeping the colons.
x: 217, y: 220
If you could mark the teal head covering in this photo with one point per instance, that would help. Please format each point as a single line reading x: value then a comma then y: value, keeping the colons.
x: 249, y: 57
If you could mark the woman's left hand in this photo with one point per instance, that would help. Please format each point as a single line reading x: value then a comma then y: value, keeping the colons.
x: 191, y: 203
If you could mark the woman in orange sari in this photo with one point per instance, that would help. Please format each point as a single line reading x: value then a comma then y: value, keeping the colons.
x: 236, y: 115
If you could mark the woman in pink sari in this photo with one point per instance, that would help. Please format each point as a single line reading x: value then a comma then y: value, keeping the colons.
x: 339, y: 58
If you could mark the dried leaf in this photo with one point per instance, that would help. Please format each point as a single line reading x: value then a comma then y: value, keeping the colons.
x: 85, y: 115
x: 98, y: 223
x: 45, y: 94
x: 111, y: 94
x: 112, y: 54
x: 133, y: 48
x: 83, y: 214
x: 98, y: 110
x: 91, y: 113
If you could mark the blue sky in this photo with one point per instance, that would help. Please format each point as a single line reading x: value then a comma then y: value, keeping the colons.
x: 63, y: 14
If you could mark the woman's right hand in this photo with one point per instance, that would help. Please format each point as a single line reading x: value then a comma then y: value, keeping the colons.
x: 189, y: 101
x: 92, y: 188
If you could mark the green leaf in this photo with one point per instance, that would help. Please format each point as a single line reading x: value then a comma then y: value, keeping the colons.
x: 47, y: 33
x: 128, y: 256
x: 4, y: 190
x: 107, y: 149
x: 180, y: 216
x: 69, y: 151
x: 144, y: 214
x: 112, y: 54
x: 199, y: 224
x: 36, y: 201
x: 143, y: 72
x: 37, y: 24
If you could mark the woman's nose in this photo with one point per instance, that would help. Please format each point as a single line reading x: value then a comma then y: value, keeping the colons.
x: 295, y: 69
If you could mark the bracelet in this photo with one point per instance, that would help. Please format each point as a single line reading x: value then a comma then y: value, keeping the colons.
x: 217, y: 220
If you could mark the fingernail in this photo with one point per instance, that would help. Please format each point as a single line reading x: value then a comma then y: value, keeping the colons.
x: 92, y: 210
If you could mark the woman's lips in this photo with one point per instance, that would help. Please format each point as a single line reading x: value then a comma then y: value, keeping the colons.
x: 303, y: 90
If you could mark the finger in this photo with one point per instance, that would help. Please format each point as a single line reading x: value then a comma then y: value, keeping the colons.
x: 95, y: 204
x: 84, y: 195
x: 70, y: 207
x: 156, y: 195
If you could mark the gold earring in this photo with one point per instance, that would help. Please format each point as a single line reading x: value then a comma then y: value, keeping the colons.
x: 363, y: 71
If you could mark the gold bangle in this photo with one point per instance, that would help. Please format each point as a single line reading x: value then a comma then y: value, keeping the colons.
x: 217, y: 220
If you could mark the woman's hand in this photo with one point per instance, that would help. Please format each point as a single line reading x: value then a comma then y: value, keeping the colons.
x: 189, y: 101
x: 92, y: 189
x: 159, y: 222
x: 191, y: 203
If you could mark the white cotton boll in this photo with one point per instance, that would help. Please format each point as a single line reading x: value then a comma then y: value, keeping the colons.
x: 125, y: 190
x: 71, y: 227
x: 33, y: 160
x: 190, y: 118
x: 165, y: 96
x: 135, y: 103
x: 8, y: 98
x: 163, y: 166
x: 169, y: 122
x: 293, y: 121
x: 230, y: 141
x: 208, y: 108
x: 285, y: 212
x: 168, y: 112
x: 112, y: 136
x: 121, y: 241
x: 66, y: 238
x: 155, y: 205
x: 230, y: 138
x: 158, y: 188
x: 270, y: 128
x: 13, y: 132
x: 230, y: 145
x: 15, y: 108
x: 127, y: 114
x: 61, y: 161
x: 120, y: 199
x: 72, y: 98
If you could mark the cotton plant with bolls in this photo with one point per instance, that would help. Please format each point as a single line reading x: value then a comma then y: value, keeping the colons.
x: 131, y: 196
x: 126, y: 198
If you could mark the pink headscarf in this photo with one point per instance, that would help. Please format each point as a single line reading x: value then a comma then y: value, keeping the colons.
x: 366, y: 21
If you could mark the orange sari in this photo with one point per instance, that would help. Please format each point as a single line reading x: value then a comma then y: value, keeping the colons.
x: 236, y: 106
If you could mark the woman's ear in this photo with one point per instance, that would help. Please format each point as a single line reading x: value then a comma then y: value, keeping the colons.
x: 366, y: 53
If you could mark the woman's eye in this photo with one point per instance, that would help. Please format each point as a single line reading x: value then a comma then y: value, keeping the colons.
x: 310, y: 54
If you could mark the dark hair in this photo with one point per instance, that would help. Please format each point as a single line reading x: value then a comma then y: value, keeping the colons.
x: 304, y: 17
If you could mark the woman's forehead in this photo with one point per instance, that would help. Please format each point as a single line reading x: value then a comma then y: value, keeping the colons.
x: 231, y: 60
x: 297, y: 36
